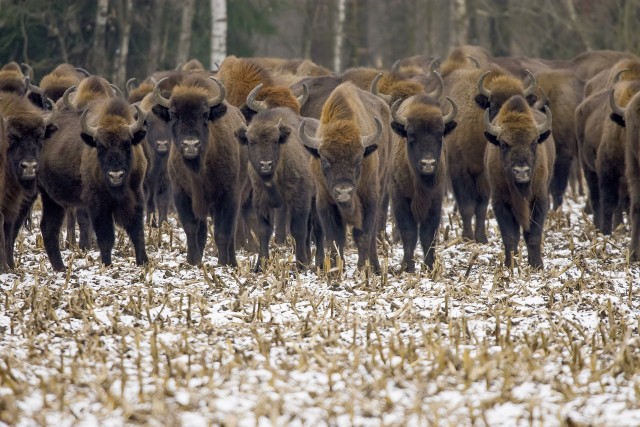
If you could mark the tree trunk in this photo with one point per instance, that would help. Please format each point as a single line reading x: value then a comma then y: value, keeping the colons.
x: 499, y: 31
x: 339, y: 37
x: 98, y: 48
x: 460, y: 22
x: 218, y: 32
x: 184, y: 44
x: 155, y: 38
x: 124, y: 21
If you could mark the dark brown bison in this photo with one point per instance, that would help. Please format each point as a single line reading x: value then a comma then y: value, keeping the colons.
x: 206, y: 164
x: 104, y: 175
x: 519, y: 170
x: 351, y: 152
x: 629, y: 117
x: 23, y: 129
x: 157, y: 183
x: 12, y: 80
x: 319, y: 89
x: 281, y: 180
x: 419, y: 173
x: 60, y: 79
x: 77, y: 98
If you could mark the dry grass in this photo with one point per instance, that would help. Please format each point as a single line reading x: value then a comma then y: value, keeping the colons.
x: 470, y: 343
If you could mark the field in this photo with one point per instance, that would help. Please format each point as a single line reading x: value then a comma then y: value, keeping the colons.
x: 470, y: 343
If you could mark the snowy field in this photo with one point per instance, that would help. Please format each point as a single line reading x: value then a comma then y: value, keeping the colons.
x: 470, y: 343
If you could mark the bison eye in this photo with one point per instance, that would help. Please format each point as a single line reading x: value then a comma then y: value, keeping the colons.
x: 503, y: 146
x: 172, y: 115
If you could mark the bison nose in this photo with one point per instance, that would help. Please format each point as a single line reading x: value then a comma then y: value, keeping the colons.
x: 162, y: 145
x: 266, y: 166
x: 522, y: 174
x: 343, y: 193
x: 428, y: 165
x: 116, y: 177
x: 190, y: 147
x: 29, y: 168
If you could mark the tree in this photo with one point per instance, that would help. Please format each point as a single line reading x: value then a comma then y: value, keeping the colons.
x: 98, y: 48
x: 124, y: 10
x: 339, y: 36
x: 218, y: 32
x: 184, y: 44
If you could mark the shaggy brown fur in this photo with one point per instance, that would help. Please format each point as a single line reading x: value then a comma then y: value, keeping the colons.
x: 240, y: 76
x: 89, y: 89
x: 59, y: 80
x: 4, y: 144
x: 12, y: 79
x: 319, y: 90
x: 632, y: 171
x: 138, y: 94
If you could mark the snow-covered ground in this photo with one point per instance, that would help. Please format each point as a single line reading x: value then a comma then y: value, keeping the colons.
x: 470, y: 343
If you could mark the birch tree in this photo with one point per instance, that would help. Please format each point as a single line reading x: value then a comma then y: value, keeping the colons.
x: 155, y: 38
x: 339, y: 39
x: 98, y: 48
x: 218, y: 32
x: 184, y: 43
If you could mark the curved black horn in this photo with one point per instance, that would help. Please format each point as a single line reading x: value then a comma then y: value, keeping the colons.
x: 614, y: 105
x: 66, y: 100
x: 33, y: 88
x: 616, y: 78
x: 83, y: 72
x: 130, y: 85
x: 474, y: 60
x: 48, y: 118
x: 435, y: 63
x: 116, y: 90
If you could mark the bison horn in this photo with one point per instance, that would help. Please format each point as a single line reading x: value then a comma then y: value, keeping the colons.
x: 222, y: 93
x: 48, y: 119
x: 302, y: 99
x: 33, y: 88
x: 86, y: 127
x: 616, y: 78
x: 252, y: 102
x: 160, y: 100
x: 374, y: 89
x: 28, y: 69
x: 135, y: 127
x: 66, y: 100
x: 438, y: 92
x: 373, y: 138
x: 309, y: 141
x: 435, y: 63
x: 130, y: 84
x: 532, y: 84
x: 542, y: 100
x: 481, y: 89
x: 394, y: 113
x: 116, y: 91
x: 83, y: 72
x: 452, y: 114
x: 474, y: 60
x: 396, y: 65
x: 490, y: 127
x: 614, y: 105
x: 546, y: 125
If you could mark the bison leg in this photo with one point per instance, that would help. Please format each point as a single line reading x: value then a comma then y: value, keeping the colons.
x: 408, y: 229
x: 163, y: 200
x: 609, y: 197
x: 102, y: 221
x: 50, y: 224
x: 533, y: 237
x: 561, y: 172
x: 428, y: 231
x: 281, y: 222
x: 634, y: 248
x: 482, y: 205
x: 191, y: 226
x: 466, y: 205
x: 318, y: 234
x: 70, y: 218
x: 84, y: 225
x: 365, y: 238
x: 13, y: 228
x: 134, y: 226
x: 225, y: 217
x: 3, y: 255
x: 150, y: 203
x: 334, y: 230
x: 265, y: 230
x: 509, y: 229
x: 594, y: 195
x: 300, y: 231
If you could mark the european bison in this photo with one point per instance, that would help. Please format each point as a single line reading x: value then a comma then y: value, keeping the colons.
x: 519, y: 170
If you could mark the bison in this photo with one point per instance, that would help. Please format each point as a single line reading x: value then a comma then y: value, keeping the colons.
x: 419, y: 173
x: 23, y: 129
x: 206, y: 164
x: 519, y: 170
x: 104, y: 176
x: 350, y: 167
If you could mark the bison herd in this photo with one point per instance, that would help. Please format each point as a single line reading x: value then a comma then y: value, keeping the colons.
x: 266, y: 145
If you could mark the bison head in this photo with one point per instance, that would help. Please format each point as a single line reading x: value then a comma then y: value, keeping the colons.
x: 25, y: 130
x: 518, y: 136
x: 341, y: 151
x: 263, y: 141
x: 188, y: 112
x: 503, y: 88
x: 113, y: 139
x: 158, y: 134
x: 423, y: 127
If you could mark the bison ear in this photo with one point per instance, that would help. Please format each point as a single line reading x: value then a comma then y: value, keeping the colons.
x: 618, y: 119
x: 88, y: 139
x: 370, y: 149
x: 399, y: 129
x: 50, y: 130
x: 449, y: 127
x: 217, y: 111
x: 532, y: 99
x: 248, y: 113
x: 314, y: 151
x: 482, y: 101
x: 492, y: 139
x: 241, y: 134
x: 543, y: 136
x: 285, y: 131
x: 160, y: 111
x: 138, y: 136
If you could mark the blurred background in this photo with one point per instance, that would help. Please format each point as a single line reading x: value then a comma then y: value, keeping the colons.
x: 132, y: 38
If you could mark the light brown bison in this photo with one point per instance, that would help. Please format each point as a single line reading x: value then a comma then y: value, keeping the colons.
x: 104, y: 175
x: 351, y: 152
x: 60, y: 79
x: 206, y: 163
x: 419, y: 173
x: 519, y: 166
